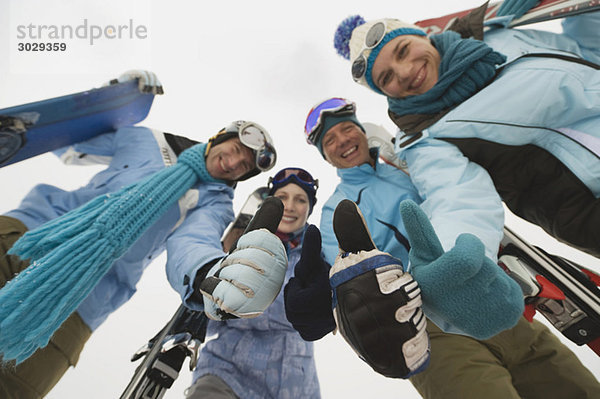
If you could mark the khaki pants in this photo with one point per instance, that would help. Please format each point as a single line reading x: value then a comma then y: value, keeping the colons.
x: 36, y: 376
x: 527, y: 361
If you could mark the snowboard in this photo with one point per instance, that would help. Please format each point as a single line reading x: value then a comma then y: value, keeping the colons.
x: 565, y: 293
x: 31, y: 129
x: 241, y: 221
x: 164, y: 354
x: 546, y: 10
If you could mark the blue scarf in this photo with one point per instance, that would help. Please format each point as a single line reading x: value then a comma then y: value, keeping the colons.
x: 467, y: 65
x: 70, y: 254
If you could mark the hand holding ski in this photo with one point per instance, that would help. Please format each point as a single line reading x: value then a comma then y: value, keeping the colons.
x: 147, y: 81
x: 516, y: 8
x: 245, y: 282
x: 463, y: 286
x: 524, y: 12
x: 308, y: 295
x: 377, y: 305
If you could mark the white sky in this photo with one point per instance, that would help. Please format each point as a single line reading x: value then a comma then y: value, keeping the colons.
x: 262, y: 60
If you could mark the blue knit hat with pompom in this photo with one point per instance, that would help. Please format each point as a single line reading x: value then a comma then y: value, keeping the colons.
x: 349, y: 40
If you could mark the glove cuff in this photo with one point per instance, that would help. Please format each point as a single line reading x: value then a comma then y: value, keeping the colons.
x: 377, y: 311
x: 200, y: 276
x: 348, y: 266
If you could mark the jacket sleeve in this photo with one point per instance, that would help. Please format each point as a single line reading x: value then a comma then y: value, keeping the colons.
x: 585, y: 30
x: 329, y: 247
x: 458, y: 195
x: 101, y: 149
x: 97, y: 150
x: 197, y: 241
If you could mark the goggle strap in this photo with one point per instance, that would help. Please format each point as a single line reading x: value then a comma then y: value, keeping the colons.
x: 313, y: 184
x: 339, y: 110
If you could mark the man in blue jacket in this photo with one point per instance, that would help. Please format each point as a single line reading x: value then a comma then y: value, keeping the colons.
x: 524, y: 361
x: 190, y: 231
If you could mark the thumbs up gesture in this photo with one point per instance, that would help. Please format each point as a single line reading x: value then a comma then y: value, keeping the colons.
x: 245, y: 282
x: 308, y: 294
x: 463, y: 286
x: 377, y: 305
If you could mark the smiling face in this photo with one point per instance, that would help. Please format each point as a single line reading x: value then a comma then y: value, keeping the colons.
x: 345, y: 145
x: 229, y: 160
x: 406, y: 66
x: 295, y: 207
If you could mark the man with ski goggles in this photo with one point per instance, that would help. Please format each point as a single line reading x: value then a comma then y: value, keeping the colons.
x: 379, y: 190
x: 252, y: 136
x: 159, y: 191
x: 462, y: 290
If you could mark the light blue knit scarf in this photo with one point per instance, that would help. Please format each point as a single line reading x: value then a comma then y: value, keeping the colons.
x: 70, y: 254
x: 467, y: 65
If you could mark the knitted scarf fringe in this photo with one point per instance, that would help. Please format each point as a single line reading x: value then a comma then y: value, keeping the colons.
x: 73, y: 252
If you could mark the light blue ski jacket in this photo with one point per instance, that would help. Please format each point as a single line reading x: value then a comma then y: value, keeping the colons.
x: 377, y: 192
x: 262, y: 357
x: 193, y: 227
x: 550, y: 103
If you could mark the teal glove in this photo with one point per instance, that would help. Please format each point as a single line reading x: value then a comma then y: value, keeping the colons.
x: 516, y: 8
x: 463, y: 286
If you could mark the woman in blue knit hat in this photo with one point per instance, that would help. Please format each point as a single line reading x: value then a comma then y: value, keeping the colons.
x: 265, y: 357
x: 510, y: 115
x: 506, y: 115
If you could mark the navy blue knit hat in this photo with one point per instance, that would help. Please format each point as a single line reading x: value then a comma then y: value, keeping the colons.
x: 298, y: 176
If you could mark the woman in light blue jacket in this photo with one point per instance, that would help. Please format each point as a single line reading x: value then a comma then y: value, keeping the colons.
x: 513, y: 116
x: 265, y: 357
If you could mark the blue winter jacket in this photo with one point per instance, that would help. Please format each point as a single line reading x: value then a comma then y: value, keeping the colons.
x: 262, y: 357
x: 195, y: 223
x: 545, y: 102
x: 377, y: 192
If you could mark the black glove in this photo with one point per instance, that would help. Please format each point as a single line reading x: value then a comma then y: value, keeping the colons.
x: 377, y: 304
x: 308, y: 295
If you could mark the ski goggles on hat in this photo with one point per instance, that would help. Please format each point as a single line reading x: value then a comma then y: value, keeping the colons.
x: 255, y: 137
x: 374, y: 36
x: 299, y: 175
x: 313, y: 127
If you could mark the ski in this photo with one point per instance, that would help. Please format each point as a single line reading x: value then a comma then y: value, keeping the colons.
x: 378, y: 136
x: 164, y: 354
x: 565, y: 293
x: 546, y: 10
